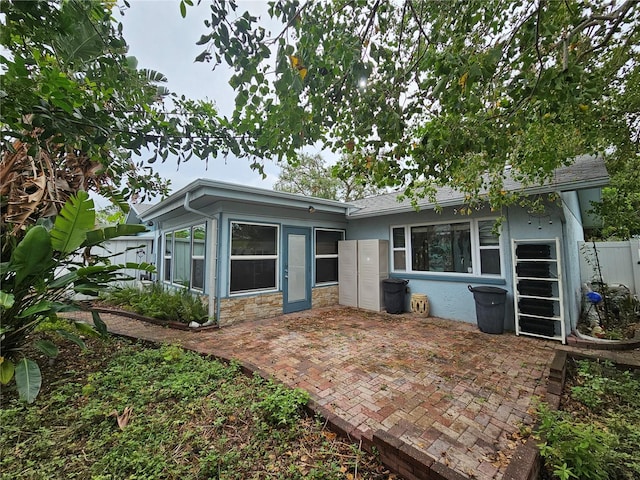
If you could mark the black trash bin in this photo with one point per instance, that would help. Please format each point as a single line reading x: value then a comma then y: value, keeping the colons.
x: 490, y: 307
x: 395, y: 290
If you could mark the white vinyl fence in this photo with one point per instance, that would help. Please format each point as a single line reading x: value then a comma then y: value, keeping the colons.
x: 128, y: 250
x: 619, y: 262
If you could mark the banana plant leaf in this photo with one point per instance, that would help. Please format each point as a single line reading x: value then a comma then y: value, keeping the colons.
x: 28, y: 379
x: 76, y: 218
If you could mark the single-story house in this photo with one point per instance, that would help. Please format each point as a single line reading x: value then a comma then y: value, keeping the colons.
x: 256, y: 253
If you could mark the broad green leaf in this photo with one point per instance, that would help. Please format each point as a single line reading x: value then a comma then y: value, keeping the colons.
x: 32, y: 255
x: 64, y: 280
x: 7, y: 368
x: 76, y: 218
x: 144, y: 266
x: 72, y: 337
x: 40, y: 308
x: 101, y: 327
x: 86, y: 329
x: 28, y: 380
x: 99, y: 235
x: 47, y: 347
x: 6, y: 299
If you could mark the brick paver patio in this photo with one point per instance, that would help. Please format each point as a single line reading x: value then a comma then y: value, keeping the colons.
x: 442, y: 386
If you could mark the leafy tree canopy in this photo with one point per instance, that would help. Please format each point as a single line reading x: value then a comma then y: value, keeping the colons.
x: 75, y: 107
x: 434, y: 93
x: 310, y: 175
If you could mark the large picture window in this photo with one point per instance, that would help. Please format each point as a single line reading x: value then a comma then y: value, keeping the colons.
x: 326, y: 255
x: 254, y: 257
x: 459, y: 248
x: 184, y: 257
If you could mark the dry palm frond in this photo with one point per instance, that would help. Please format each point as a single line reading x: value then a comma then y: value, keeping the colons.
x: 34, y: 186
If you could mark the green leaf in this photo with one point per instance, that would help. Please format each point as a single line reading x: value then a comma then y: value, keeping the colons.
x: 64, y: 280
x: 183, y: 9
x: 7, y: 368
x: 72, y: 337
x: 6, y: 299
x: 86, y: 329
x: 76, y: 218
x: 101, y: 327
x: 40, y: 308
x: 99, y: 235
x: 47, y: 347
x: 28, y: 380
x: 32, y: 255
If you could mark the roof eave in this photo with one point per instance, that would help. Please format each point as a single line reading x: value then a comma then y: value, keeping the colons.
x: 535, y: 190
x: 233, y: 192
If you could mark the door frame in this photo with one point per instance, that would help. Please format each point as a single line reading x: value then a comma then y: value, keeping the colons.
x: 299, y: 305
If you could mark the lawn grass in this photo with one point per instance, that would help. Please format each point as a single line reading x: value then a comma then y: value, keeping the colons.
x: 191, y: 418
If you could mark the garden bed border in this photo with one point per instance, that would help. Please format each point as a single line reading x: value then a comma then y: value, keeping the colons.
x: 155, y: 321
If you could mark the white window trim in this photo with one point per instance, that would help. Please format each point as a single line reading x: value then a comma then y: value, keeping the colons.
x: 316, y: 256
x: 254, y: 257
x: 166, y: 257
x: 475, y: 249
x: 199, y: 257
x: 497, y: 247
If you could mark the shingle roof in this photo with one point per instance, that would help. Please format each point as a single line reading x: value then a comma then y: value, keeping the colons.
x: 587, y: 171
x: 140, y: 208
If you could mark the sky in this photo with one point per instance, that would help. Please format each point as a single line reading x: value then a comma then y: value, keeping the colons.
x: 162, y: 40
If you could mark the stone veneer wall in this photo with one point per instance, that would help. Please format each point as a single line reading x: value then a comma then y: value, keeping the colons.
x: 240, y: 309
x: 324, y: 296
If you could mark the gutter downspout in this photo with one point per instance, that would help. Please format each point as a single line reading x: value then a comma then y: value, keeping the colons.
x: 214, y: 306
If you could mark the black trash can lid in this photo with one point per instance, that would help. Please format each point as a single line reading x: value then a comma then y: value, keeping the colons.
x: 395, y: 281
x: 486, y: 290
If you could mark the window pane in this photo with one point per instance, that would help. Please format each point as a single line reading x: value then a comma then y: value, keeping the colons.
x: 253, y: 275
x: 326, y: 270
x: 197, y: 278
x: 182, y: 257
x: 327, y: 242
x: 199, y: 240
x: 487, y: 238
x: 168, y: 245
x: 441, y: 248
x: 168, y: 248
x: 247, y: 239
x: 167, y: 269
x: 398, y: 238
x: 490, y: 261
x: 399, y: 260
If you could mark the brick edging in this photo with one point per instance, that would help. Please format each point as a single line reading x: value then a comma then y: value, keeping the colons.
x: 154, y: 321
x: 574, y: 341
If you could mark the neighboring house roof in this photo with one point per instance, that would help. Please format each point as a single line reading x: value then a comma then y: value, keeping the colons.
x: 586, y: 172
x: 202, y: 193
x: 140, y: 208
x: 135, y: 212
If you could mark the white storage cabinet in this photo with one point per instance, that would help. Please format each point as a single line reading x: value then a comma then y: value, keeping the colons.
x: 362, y: 265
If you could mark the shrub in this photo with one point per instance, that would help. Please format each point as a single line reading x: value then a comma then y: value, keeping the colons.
x: 600, y: 438
x: 158, y: 302
x: 281, y: 405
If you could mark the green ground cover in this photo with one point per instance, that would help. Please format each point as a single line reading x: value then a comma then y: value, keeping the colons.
x: 122, y: 410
